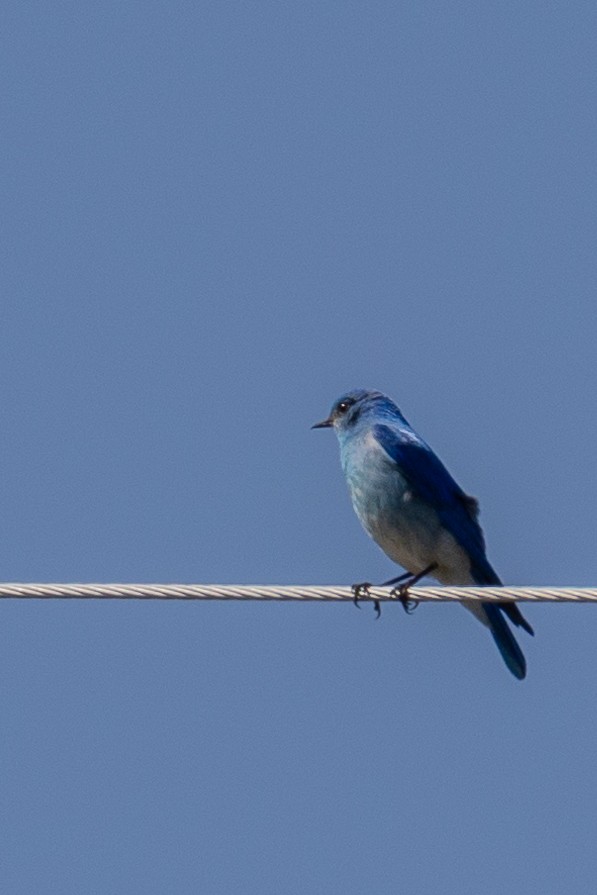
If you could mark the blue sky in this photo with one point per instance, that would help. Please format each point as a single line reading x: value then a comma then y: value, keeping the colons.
x: 217, y: 217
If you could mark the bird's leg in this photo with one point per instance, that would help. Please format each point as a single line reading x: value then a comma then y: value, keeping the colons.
x: 396, y: 580
x: 361, y: 591
x: 376, y: 603
x: 409, y: 605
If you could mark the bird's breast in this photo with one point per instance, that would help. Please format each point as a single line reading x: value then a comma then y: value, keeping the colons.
x: 406, y: 528
x: 385, y: 503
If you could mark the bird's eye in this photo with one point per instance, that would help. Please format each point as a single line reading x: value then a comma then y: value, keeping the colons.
x: 343, y: 406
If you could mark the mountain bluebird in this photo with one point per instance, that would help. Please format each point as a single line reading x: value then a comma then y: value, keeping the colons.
x: 408, y: 502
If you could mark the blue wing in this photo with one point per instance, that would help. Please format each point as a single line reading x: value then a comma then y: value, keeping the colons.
x: 458, y: 512
x: 431, y: 482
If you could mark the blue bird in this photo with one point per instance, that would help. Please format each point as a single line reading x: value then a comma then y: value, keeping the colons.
x: 410, y: 505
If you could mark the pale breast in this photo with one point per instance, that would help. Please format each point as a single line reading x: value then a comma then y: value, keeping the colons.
x: 406, y: 528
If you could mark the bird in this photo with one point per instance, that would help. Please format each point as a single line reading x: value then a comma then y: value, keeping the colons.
x: 408, y: 502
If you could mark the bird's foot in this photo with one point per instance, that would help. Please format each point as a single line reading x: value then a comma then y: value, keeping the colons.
x: 361, y: 591
x: 409, y: 604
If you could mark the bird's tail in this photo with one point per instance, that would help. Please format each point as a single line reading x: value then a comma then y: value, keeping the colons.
x: 504, y: 640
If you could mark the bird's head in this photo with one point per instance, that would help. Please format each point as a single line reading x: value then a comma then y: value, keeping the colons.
x: 351, y: 407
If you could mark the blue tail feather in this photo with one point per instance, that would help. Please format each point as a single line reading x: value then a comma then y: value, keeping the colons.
x: 484, y: 574
x: 505, y: 642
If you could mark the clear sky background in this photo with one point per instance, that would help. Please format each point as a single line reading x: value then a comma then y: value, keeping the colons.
x: 216, y: 218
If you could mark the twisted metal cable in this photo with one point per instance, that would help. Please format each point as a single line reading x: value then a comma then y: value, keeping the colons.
x: 283, y: 592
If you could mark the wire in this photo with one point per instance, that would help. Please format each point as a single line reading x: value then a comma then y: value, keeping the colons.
x: 37, y: 591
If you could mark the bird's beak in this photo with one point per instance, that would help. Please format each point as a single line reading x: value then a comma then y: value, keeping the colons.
x: 324, y: 424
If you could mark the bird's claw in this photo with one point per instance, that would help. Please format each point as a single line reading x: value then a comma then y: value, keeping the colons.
x: 359, y: 591
x: 409, y: 604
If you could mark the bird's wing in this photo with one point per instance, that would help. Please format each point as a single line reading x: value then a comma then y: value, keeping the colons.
x: 431, y: 482
x: 458, y: 512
